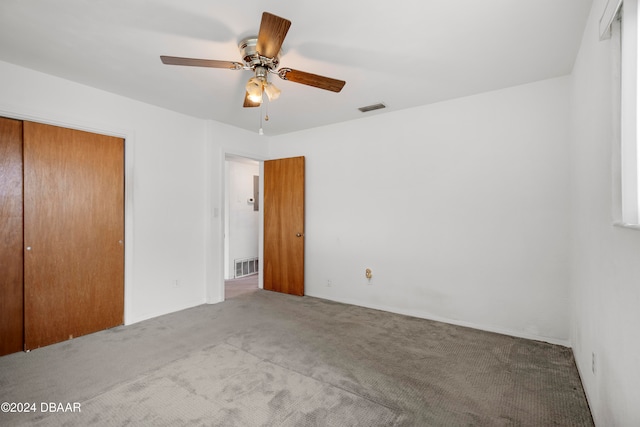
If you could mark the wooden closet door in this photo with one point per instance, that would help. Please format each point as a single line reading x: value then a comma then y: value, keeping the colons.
x: 11, y: 262
x: 73, y: 233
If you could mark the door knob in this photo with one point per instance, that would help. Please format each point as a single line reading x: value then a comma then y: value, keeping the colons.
x: 298, y: 234
x: 28, y: 248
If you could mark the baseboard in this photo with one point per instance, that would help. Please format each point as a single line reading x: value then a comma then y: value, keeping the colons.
x: 429, y: 316
x: 147, y: 316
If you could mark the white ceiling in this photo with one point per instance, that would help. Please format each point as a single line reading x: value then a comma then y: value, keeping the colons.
x: 402, y: 53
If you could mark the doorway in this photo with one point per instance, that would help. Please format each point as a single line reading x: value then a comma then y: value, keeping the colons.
x: 241, y: 225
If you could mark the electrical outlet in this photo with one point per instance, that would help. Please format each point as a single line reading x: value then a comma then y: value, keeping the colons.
x: 329, y: 283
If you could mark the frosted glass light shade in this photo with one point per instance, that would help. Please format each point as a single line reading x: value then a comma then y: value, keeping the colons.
x: 254, y: 89
x: 272, y: 91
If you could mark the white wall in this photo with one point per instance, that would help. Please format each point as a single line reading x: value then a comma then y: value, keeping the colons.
x: 459, y: 208
x: 241, y: 227
x: 605, y: 265
x: 174, y: 176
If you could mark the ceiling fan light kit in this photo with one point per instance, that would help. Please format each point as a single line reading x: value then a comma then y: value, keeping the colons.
x: 259, y: 84
x: 261, y: 55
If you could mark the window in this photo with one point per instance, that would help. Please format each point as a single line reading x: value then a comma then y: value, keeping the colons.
x: 620, y: 22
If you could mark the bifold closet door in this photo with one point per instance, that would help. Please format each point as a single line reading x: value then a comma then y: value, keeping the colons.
x: 11, y: 297
x: 73, y: 233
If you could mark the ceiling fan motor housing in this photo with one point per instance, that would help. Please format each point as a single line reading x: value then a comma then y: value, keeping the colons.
x: 252, y: 57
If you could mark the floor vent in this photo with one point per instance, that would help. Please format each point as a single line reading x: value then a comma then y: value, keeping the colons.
x: 246, y: 267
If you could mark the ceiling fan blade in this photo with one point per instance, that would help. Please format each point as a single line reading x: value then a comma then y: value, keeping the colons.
x: 211, y: 63
x: 249, y: 103
x: 309, y: 79
x: 273, y: 30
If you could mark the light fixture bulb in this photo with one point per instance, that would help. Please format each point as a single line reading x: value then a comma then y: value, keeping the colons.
x: 255, y: 98
x: 254, y: 90
x: 272, y: 91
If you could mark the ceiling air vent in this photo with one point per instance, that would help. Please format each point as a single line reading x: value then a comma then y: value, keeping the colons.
x: 372, y: 107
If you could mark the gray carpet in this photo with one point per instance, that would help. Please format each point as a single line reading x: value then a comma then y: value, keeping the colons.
x: 266, y: 359
x: 243, y: 285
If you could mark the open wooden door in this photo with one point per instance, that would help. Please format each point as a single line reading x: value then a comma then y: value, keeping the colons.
x: 73, y: 233
x: 283, y: 263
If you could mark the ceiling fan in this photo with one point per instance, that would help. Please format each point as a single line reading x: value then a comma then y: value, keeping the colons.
x: 261, y: 55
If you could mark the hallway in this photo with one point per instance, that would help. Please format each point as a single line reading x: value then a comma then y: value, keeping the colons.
x: 243, y: 285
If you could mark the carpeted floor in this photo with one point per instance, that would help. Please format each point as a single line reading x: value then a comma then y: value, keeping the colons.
x: 241, y: 286
x: 267, y: 359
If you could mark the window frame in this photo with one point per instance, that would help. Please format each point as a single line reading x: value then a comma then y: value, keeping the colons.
x: 619, y: 22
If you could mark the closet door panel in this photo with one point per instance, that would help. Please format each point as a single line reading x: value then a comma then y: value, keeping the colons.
x: 73, y: 233
x: 11, y: 261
